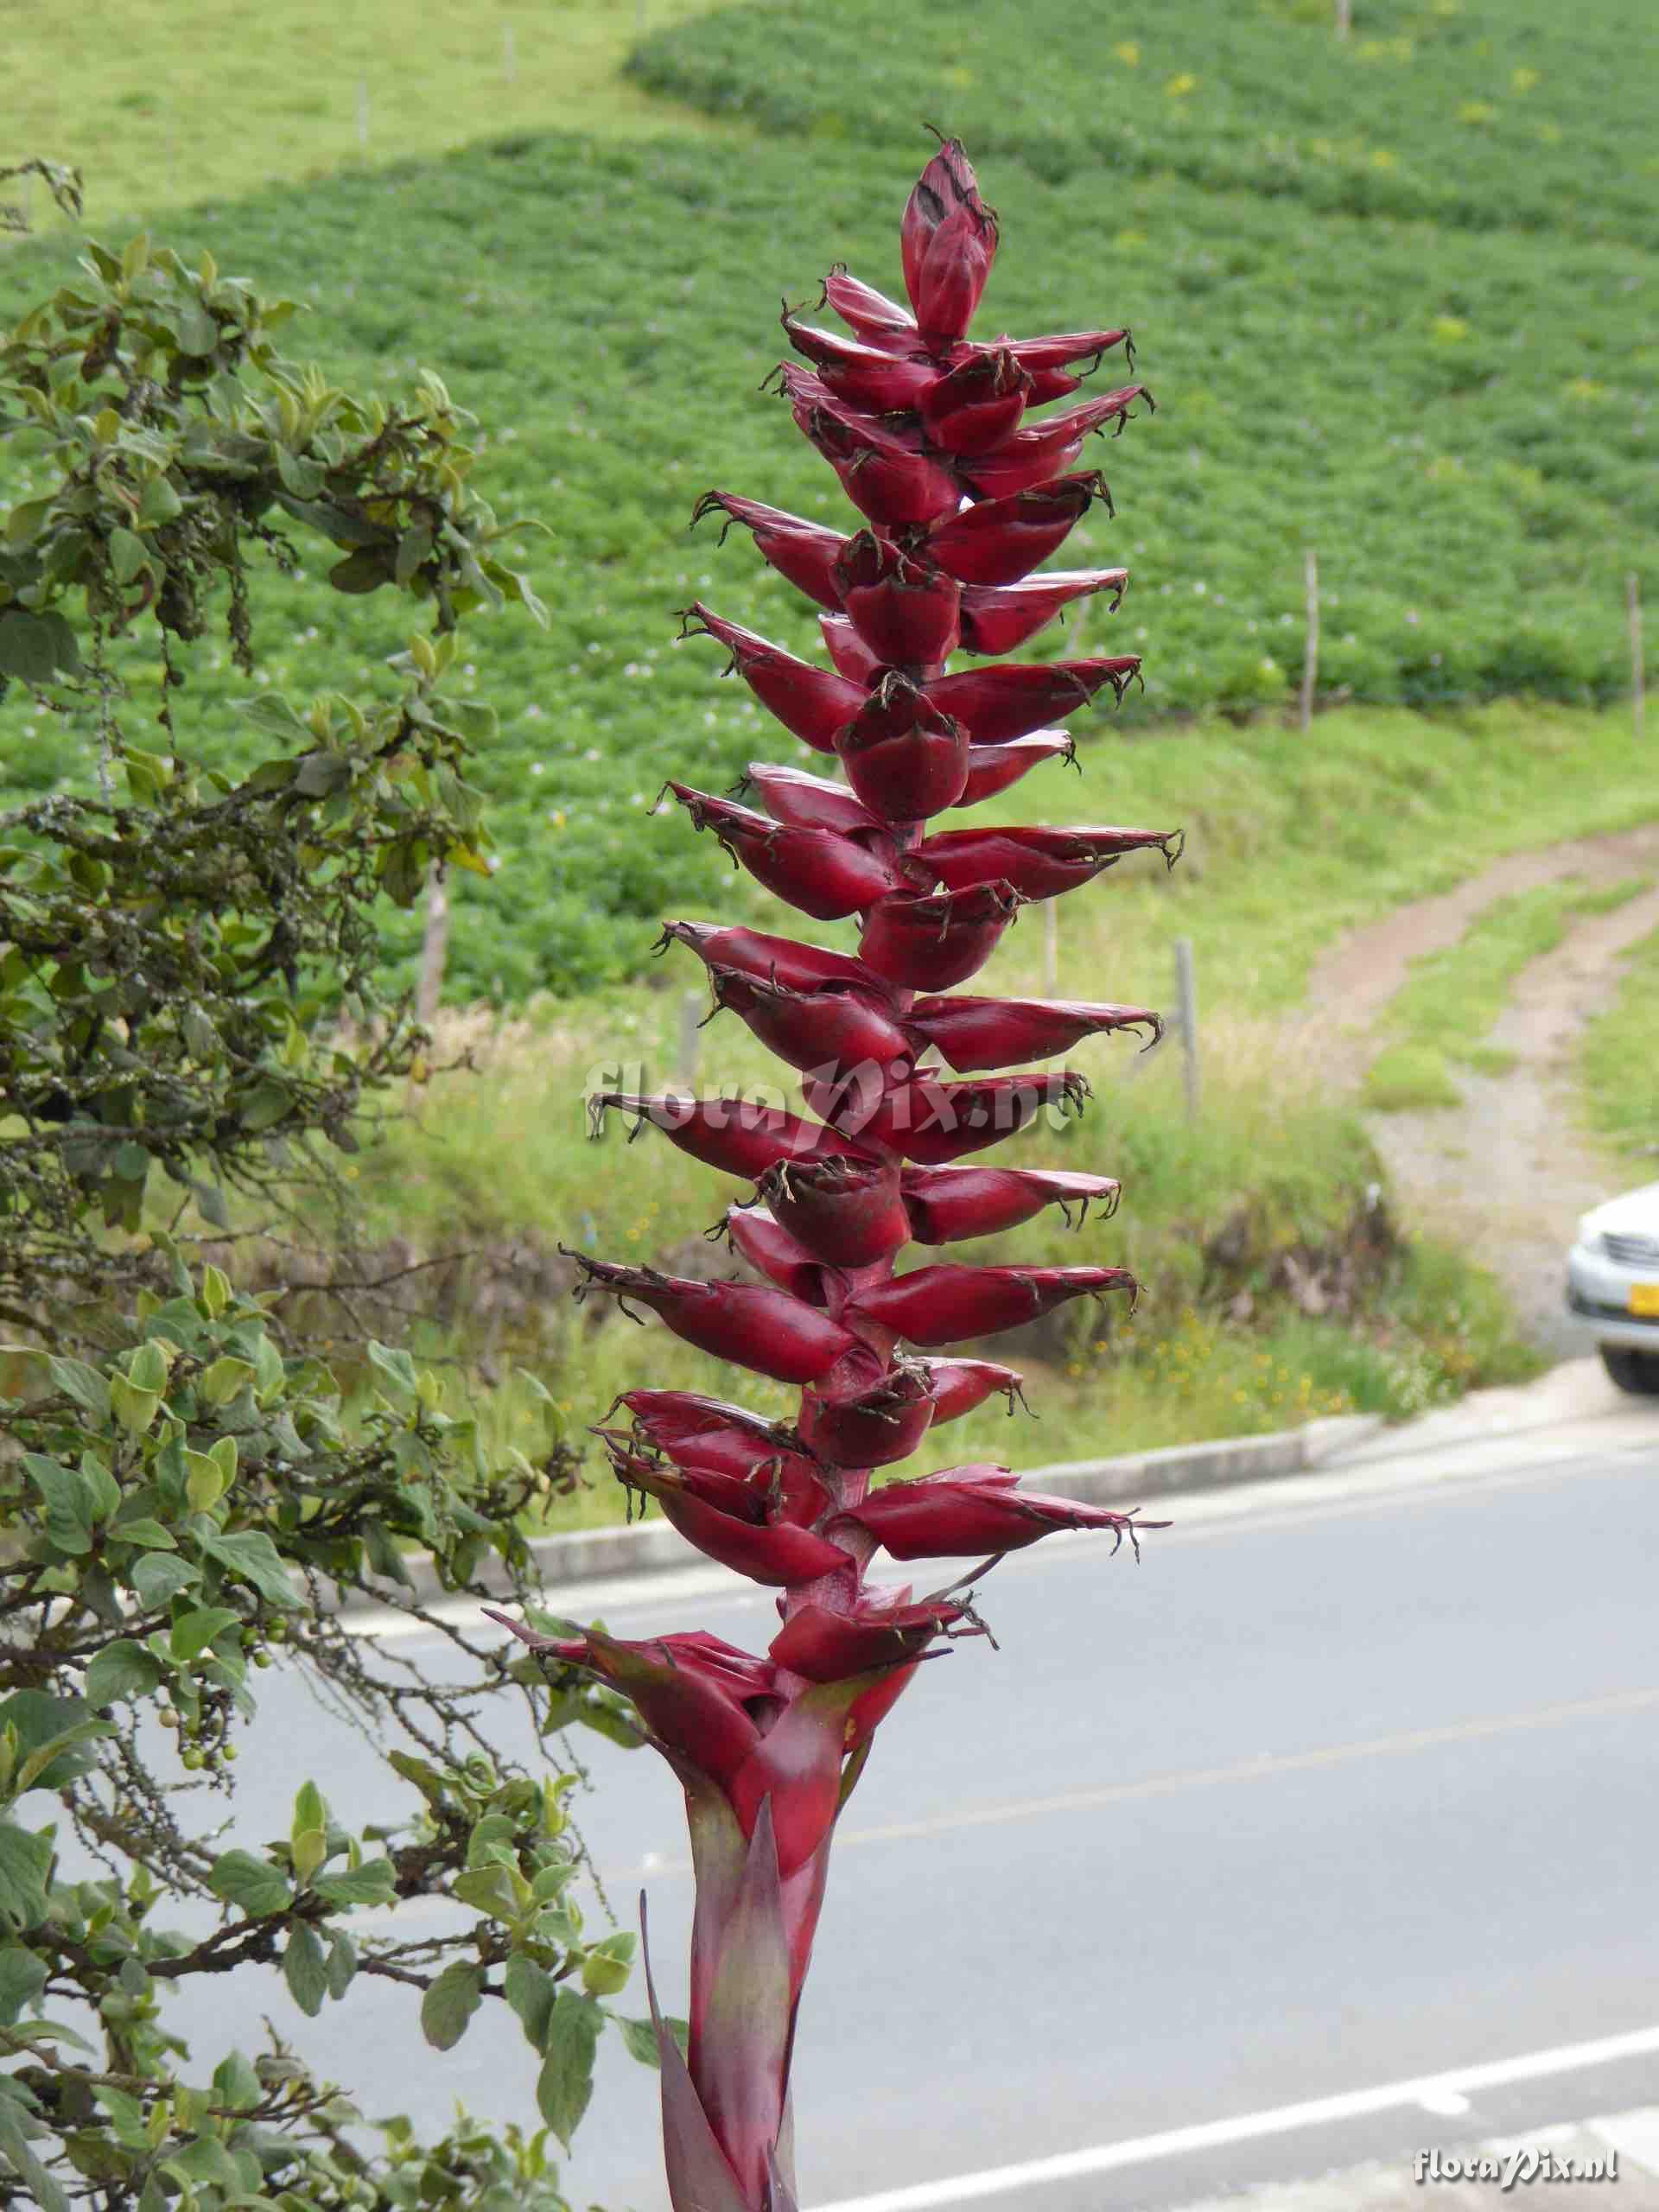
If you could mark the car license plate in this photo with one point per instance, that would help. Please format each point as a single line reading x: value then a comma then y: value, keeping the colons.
x: 1644, y: 1301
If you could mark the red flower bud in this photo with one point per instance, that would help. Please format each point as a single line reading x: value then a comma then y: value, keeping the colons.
x: 864, y: 376
x: 904, y: 758
x: 811, y: 703
x: 826, y: 874
x: 933, y: 1121
x: 959, y: 1385
x: 973, y: 408
x: 947, y: 241
x: 736, y: 1135
x: 809, y: 802
x: 939, y: 1306
x: 877, y: 320
x: 999, y: 618
x: 1031, y: 457
x: 688, y: 1689
x: 846, y: 1210
x: 992, y: 768
x: 805, y: 552
x: 828, y: 1029
x: 760, y: 1329
x: 965, y: 1512
x: 847, y: 650
x: 771, y: 1251
x: 1039, y: 863
x: 974, y: 1033
x: 802, y: 967
x: 1002, y: 540
x: 947, y: 1204
x: 1045, y: 360
x: 883, y: 471
x: 905, y: 611
x: 929, y: 944
x: 997, y: 704
x: 872, y: 1430
x: 737, y: 1522
x: 885, y: 1629
x: 671, y: 1418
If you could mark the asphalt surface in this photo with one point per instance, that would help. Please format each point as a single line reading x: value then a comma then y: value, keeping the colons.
x: 1353, y: 1780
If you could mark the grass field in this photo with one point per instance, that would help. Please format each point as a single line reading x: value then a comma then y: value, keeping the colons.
x: 301, y: 91
x: 1618, y: 1067
x: 608, y: 309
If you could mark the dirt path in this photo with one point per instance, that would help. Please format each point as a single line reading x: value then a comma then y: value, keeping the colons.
x: 1507, y: 1171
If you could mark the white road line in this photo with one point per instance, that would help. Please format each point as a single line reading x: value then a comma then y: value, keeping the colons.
x: 1263, y: 1766
x: 1252, y: 2127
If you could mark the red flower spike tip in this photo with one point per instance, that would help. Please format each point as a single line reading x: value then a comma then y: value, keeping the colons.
x: 966, y: 1512
x: 946, y: 1204
x: 811, y: 703
x: 904, y: 758
x: 885, y: 1630
x: 877, y: 320
x: 1002, y: 540
x: 937, y: 1306
x: 977, y: 405
x: 756, y: 1236
x: 959, y: 1385
x: 1031, y: 457
x: 998, y: 704
x: 765, y: 1331
x: 872, y: 1430
x: 847, y: 1211
x: 999, y: 618
x: 992, y: 768
x: 826, y: 876
x: 904, y: 611
x: 803, y: 552
x: 974, y: 1033
x: 735, y: 1523
x: 801, y: 967
x: 736, y: 1135
x: 933, y: 1121
x: 827, y: 1030
x: 670, y: 1418
x: 927, y: 944
x: 965, y: 493
x: 810, y: 802
x: 1038, y: 863
x: 948, y: 241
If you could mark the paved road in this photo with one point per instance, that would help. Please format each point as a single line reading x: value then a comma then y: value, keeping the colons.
x: 1354, y: 1780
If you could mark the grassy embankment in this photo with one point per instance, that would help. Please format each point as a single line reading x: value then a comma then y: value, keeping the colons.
x: 1618, y: 1067
x: 1452, y: 999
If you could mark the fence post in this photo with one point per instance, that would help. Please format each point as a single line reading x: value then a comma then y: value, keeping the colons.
x: 509, y: 54
x: 690, y: 1022
x: 1638, y: 677
x: 363, y: 114
x: 435, y: 944
x: 1051, y: 947
x: 1186, y: 1014
x: 1345, y: 17
x: 1311, y: 647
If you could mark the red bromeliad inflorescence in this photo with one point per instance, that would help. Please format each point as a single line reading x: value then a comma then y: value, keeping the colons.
x: 962, y: 494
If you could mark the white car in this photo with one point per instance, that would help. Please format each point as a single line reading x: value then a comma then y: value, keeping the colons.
x: 1612, y: 1286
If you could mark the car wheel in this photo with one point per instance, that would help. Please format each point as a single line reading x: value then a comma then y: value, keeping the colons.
x: 1632, y: 1371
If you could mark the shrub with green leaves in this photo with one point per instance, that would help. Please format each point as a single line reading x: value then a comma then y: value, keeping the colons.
x: 194, y: 1482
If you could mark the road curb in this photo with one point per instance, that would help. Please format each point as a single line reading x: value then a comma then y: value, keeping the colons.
x: 1137, y: 1478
